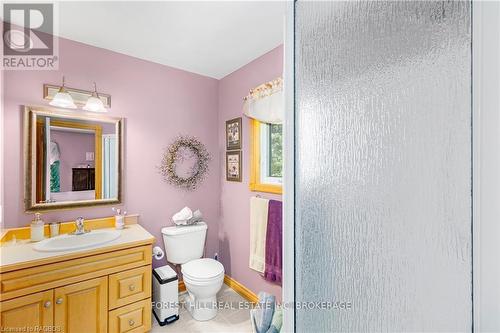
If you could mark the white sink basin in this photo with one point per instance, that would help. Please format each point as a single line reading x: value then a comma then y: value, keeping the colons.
x: 75, y: 242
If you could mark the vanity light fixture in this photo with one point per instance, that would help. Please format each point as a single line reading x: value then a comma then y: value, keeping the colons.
x: 94, y: 103
x: 63, y: 99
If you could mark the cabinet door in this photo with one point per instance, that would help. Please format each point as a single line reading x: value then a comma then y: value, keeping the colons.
x: 30, y: 313
x: 82, y: 307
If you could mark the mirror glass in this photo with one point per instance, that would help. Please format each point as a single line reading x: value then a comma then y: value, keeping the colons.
x: 75, y: 160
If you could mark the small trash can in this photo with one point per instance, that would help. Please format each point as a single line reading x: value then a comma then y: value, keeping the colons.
x: 165, y: 295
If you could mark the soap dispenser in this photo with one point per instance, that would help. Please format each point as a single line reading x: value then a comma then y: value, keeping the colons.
x: 37, y: 228
x: 119, y: 218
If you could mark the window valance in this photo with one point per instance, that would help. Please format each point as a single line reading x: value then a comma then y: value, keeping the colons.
x: 265, y: 103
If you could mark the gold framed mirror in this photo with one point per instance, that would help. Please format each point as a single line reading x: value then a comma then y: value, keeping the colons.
x: 71, y: 159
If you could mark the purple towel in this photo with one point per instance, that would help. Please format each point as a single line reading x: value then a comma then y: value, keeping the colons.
x: 272, y: 271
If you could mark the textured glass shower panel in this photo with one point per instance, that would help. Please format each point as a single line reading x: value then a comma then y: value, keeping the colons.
x: 383, y: 187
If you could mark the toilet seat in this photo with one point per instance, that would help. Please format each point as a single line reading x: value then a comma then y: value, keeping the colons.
x: 202, y: 270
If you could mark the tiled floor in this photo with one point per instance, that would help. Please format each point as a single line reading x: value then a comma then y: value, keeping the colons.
x: 234, y: 317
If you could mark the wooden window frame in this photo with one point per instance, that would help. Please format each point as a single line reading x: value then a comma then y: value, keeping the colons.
x: 255, y: 176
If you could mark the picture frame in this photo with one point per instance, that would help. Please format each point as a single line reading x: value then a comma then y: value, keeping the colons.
x: 233, y: 134
x: 233, y: 166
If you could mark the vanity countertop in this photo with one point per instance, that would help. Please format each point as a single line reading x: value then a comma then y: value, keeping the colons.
x: 22, y: 255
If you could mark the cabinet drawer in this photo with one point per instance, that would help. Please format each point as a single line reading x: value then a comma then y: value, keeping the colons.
x: 62, y: 273
x: 129, y: 286
x: 133, y: 318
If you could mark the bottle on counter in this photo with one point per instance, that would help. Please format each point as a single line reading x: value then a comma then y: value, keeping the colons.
x: 119, y: 218
x: 37, y: 228
x: 54, y: 229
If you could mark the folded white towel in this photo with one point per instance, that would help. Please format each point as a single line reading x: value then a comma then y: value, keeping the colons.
x: 197, y: 217
x: 258, y: 228
x: 186, y: 217
x: 182, y: 217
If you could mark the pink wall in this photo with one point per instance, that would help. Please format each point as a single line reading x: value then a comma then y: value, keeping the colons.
x: 234, y: 223
x: 72, y: 149
x: 157, y: 102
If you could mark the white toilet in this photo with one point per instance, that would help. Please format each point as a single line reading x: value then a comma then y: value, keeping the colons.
x: 203, y: 277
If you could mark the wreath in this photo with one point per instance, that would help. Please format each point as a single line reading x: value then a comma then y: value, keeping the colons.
x: 172, y: 157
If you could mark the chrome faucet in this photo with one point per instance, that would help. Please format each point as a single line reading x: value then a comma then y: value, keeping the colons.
x: 80, y: 229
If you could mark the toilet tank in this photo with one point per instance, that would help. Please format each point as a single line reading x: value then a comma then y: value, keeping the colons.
x: 184, y: 243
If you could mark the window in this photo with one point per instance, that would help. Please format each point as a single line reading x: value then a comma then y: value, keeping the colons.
x: 270, y: 153
x: 266, y: 158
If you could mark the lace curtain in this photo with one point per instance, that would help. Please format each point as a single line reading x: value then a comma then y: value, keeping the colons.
x: 265, y: 103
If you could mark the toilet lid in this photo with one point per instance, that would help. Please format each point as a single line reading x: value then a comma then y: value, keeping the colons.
x: 205, y: 268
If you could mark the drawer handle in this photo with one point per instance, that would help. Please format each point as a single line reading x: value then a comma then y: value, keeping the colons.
x: 47, y: 304
x: 131, y: 287
x: 59, y: 300
x: 131, y: 322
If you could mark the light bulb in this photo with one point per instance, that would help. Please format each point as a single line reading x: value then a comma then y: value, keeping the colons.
x: 94, y: 103
x: 63, y: 99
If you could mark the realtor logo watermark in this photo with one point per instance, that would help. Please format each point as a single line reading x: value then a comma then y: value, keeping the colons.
x: 28, y: 37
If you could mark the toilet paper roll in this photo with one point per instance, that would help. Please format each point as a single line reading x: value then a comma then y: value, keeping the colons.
x: 158, y: 253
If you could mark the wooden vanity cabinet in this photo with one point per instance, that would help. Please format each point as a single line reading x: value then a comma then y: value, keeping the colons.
x: 131, y: 318
x: 82, y: 307
x: 31, y: 311
x: 103, y: 292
